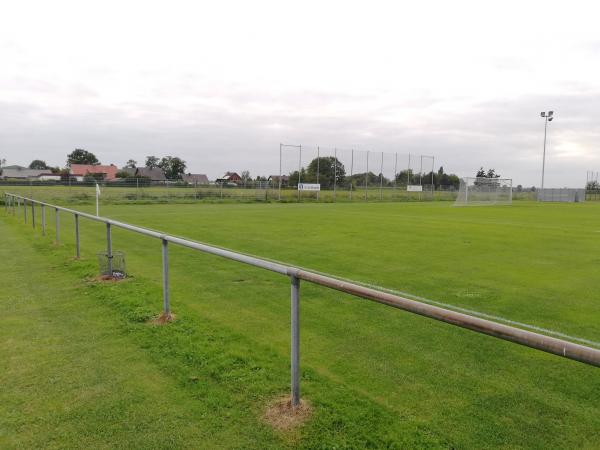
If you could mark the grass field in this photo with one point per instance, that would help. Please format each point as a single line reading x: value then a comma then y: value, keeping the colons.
x: 376, y: 377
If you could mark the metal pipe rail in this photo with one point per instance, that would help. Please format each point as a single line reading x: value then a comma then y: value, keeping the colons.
x: 560, y: 347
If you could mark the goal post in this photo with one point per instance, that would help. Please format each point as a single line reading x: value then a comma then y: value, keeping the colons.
x: 484, y: 191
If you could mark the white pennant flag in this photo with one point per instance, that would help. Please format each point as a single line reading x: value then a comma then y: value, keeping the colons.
x: 97, y: 200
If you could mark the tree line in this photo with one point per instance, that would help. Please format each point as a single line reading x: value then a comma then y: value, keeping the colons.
x: 331, y: 170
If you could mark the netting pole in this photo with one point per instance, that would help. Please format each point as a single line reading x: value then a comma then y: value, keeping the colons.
x: 334, y: 172
x: 57, y: 225
x: 432, y: 177
x: 109, y: 250
x: 351, y: 172
x: 280, y: 147
x: 43, y: 220
x: 367, y: 179
x: 299, y: 170
x: 395, y: 174
x: 318, y: 169
x: 295, y: 350
x: 165, y: 267
x: 381, y: 179
x: 77, y: 247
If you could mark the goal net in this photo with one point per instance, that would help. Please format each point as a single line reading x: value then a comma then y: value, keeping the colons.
x: 485, y: 191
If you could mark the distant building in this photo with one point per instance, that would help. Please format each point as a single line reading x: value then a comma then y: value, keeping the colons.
x: 154, y: 174
x: 195, y: 178
x: 230, y: 177
x: 79, y: 171
x: 28, y: 174
x: 274, y: 179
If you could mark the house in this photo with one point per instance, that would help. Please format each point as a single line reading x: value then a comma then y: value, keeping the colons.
x: 195, y: 178
x: 79, y: 171
x: 154, y: 174
x: 274, y: 179
x: 230, y: 177
x: 26, y: 174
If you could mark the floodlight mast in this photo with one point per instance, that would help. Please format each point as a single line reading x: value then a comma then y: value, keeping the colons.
x: 548, y: 116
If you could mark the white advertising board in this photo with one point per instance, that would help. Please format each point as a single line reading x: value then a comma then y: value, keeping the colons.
x: 309, y: 187
x: 414, y: 188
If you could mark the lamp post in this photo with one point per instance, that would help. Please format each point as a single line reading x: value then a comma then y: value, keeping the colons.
x: 548, y: 116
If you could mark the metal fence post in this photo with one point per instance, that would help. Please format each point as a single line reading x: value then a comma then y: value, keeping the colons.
x: 295, y: 351
x: 165, y: 264
x: 109, y: 249
x: 33, y: 214
x: 56, y: 215
x: 43, y: 220
x: 25, y: 210
x: 77, y: 247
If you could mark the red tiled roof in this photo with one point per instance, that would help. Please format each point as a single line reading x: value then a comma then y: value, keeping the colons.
x: 110, y: 172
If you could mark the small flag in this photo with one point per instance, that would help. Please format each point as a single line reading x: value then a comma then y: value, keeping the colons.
x: 97, y: 189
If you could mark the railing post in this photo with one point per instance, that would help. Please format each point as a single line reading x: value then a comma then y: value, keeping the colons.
x: 33, y: 214
x: 57, y: 226
x: 25, y: 210
x: 109, y: 249
x: 43, y: 220
x: 295, y: 351
x: 77, y: 248
x: 165, y: 266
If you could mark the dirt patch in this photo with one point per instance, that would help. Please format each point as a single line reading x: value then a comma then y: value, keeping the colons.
x: 108, y: 278
x: 162, y: 319
x: 282, y: 416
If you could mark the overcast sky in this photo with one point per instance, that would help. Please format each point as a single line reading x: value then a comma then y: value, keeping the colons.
x: 222, y: 83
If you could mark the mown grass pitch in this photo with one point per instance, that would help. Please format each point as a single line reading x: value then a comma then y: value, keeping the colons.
x: 375, y: 376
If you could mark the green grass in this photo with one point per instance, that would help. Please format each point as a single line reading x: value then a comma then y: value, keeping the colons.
x: 376, y: 376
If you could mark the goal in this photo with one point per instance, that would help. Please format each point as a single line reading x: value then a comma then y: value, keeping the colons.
x: 485, y: 191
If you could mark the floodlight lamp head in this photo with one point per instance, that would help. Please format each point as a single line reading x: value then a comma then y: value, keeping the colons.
x: 543, y: 114
x: 550, y: 113
x: 550, y: 119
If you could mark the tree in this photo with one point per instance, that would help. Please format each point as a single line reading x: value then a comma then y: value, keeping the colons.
x: 131, y: 164
x: 491, y: 173
x: 481, y: 173
x: 81, y: 156
x: 173, y: 167
x: 38, y: 164
x: 246, y: 176
x: 152, y: 162
x: 328, y: 168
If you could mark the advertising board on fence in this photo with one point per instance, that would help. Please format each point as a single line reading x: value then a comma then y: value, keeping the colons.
x: 414, y: 188
x: 309, y: 187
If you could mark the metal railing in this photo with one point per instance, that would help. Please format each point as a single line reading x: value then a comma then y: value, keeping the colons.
x: 560, y: 347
